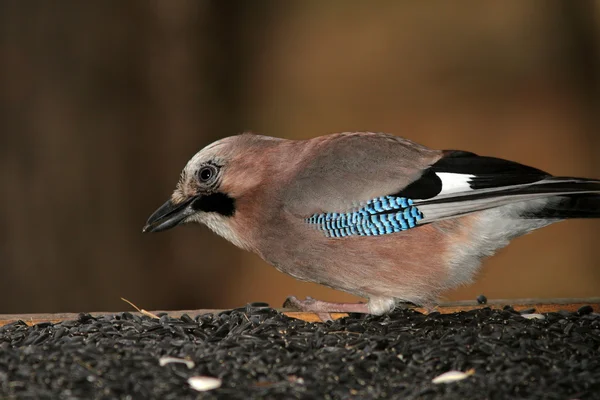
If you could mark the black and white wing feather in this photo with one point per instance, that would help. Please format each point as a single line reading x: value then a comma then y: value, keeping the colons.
x: 461, y: 183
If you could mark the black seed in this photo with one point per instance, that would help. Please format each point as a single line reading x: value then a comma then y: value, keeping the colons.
x: 585, y: 310
x: 481, y: 299
x: 186, y: 318
x: 527, y: 311
x: 568, y: 328
x: 259, y: 353
x: 259, y: 304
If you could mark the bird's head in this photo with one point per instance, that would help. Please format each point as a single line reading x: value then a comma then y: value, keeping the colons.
x: 212, y: 184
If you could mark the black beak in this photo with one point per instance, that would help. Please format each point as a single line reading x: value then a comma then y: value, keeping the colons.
x: 168, y: 216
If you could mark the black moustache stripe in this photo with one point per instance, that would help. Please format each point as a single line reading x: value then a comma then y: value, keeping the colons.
x: 219, y: 203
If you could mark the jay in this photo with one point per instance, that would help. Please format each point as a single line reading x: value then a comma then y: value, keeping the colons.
x: 375, y: 215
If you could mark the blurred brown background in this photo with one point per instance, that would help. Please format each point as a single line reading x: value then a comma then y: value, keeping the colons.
x: 102, y: 104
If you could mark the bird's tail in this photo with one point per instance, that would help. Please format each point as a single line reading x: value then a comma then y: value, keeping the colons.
x: 586, y: 205
x: 567, y: 198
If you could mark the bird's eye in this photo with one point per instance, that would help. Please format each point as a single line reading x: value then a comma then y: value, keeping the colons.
x: 207, y: 173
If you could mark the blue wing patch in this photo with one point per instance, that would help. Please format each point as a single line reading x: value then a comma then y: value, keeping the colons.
x: 380, y: 216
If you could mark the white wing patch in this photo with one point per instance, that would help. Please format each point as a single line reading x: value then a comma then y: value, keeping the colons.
x: 454, y: 183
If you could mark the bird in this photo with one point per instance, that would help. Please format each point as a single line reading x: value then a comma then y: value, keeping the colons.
x: 371, y: 214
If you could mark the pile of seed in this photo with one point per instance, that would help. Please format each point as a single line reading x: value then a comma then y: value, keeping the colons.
x: 256, y: 352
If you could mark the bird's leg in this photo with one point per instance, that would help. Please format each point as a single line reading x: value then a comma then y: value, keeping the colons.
x: 324, y: 308
x: 312, y: 305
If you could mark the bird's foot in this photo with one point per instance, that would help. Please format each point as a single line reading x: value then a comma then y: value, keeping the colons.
x: 324, y: 308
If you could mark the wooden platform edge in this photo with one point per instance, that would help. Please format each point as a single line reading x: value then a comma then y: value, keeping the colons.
x: 540, y: 306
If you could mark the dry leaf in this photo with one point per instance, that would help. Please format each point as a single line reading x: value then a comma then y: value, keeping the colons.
x: 170, y: 360
x: 144, y: 312
x: 452, y: 376
x: 533, y: 316
x: 204, y: 383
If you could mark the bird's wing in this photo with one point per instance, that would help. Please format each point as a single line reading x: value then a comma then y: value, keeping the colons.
x: 363, y: 185
x: 337, y: 173
x: 461, y: 183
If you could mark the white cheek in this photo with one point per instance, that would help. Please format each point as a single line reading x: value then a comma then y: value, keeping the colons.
x: 221, y: 225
